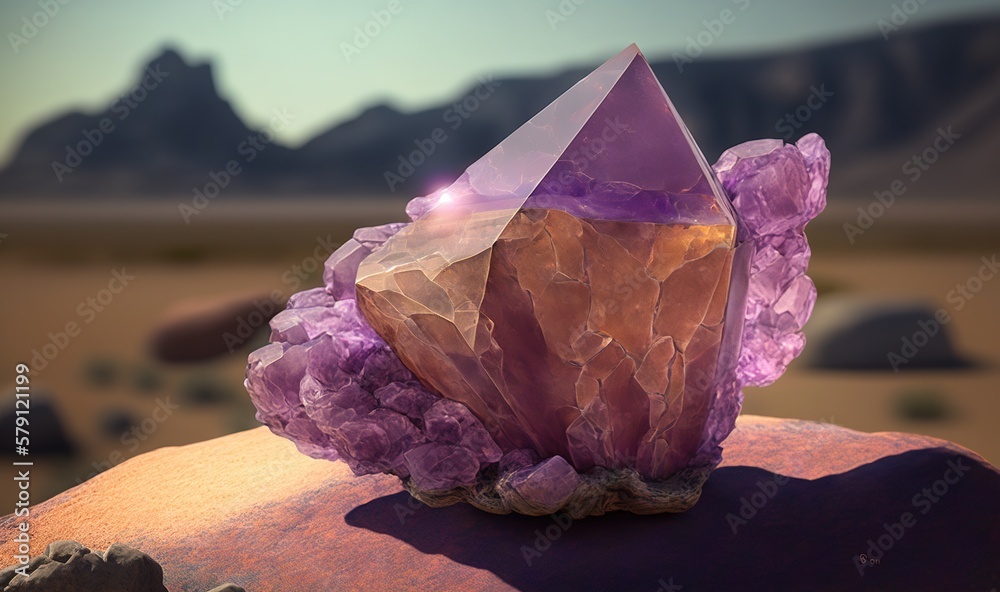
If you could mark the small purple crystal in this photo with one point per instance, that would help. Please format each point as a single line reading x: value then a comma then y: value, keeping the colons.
x: 517, y: 459
x: 311, y: 298
x: 450, y: 422
x: 776, y: 188
x: 409, y: 398
x: 299, y: 325
x: 341, y: 268
x: 439, y: 467
x: 273, y: 376
x: 548, y: 484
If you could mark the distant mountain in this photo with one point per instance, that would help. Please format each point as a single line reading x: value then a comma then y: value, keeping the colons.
x: 162, y: 135
x: 878, y: 103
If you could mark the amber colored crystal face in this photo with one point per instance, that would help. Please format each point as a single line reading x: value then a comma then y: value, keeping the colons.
x: 588, y: 340
x: 572, y: 287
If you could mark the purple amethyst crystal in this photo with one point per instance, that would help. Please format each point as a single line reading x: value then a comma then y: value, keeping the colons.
x: 341, y: 268
x: 330, y: 384
x: 578, y: 412
x: 776, y: 188
x: 311, y: 298
x: 549, y: 484
x: 450, y: 422
x: 440, y: 467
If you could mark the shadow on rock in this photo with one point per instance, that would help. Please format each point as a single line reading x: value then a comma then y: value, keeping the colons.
x: 896, y: 523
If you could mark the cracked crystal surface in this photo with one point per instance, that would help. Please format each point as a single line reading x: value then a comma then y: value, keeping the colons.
x: 572, y: 287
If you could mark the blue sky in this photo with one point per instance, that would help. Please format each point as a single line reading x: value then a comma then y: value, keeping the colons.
x: 269, y: 54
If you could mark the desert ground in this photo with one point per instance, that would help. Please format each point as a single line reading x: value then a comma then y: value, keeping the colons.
x: 54, y: 257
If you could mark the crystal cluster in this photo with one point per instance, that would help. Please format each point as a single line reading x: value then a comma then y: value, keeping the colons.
x: 331, y: 385
x: 777, y: 188
x: 569, y: 324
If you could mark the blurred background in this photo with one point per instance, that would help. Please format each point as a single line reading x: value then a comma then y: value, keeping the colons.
x: 171, y: 172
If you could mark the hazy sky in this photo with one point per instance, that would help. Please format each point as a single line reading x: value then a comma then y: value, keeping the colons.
x: 290, y: 54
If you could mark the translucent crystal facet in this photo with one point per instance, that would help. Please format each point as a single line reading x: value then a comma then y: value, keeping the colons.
x: 570, y: 289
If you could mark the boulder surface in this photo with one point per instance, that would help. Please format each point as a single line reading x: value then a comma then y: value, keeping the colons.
x: 794, y: 505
